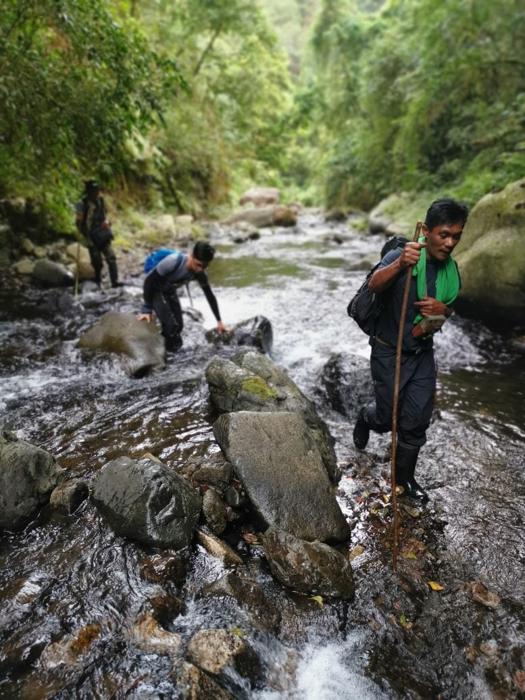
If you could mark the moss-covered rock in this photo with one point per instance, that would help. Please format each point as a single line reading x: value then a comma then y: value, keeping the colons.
x: 491, y: 256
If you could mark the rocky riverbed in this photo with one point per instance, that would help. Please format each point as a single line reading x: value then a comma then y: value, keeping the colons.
x: 91, y: 610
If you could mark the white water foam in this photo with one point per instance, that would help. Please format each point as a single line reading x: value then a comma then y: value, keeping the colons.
x: 329, y: 672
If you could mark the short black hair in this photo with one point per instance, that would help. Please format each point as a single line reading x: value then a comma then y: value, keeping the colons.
x: 446, y: 211
x: 91, y: 186
x: 204, y: 252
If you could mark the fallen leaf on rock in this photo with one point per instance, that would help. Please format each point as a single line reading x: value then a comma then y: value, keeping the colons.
x: 406, y: 624
x: 356, y: 552
x: 238, y: 632
x: 471, y: 653
x: 519, y: 680
x: 414, y: 512
x: 413, y: 548
x: 482, y: 595
x: 318, y: 599
x: 435, y: 586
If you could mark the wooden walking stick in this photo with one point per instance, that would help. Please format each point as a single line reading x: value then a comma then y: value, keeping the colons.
x: 77, y: 272
x: 395, y: 403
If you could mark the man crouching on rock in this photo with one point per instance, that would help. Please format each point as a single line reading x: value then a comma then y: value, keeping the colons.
x: 160, y: 291
x: 434, y: 286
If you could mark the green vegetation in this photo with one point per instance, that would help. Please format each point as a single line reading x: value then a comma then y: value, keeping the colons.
x: 418, y: 95
x: 182, y: 105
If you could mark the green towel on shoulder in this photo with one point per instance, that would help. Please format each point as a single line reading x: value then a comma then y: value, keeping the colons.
x: 447, y: 280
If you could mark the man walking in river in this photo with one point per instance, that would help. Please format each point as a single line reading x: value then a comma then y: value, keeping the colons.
x: 160, y: 291
x: 434, y: 287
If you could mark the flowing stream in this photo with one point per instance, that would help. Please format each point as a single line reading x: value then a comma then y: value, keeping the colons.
x: 398, y: 638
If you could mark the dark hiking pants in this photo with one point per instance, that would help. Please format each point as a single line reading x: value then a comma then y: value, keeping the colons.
x: 96, y: 254
x: 166, y: 305
x: 416, y: 393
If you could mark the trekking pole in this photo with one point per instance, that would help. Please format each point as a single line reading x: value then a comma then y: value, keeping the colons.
x: 395, y: 402
x: 77, y: 272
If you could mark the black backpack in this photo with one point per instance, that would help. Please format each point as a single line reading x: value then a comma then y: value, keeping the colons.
x: 365, y: 306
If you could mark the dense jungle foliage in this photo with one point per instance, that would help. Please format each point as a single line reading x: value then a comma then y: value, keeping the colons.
x: 185, y: 103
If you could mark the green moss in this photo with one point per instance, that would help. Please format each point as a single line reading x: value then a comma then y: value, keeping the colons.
x: 258, y: 387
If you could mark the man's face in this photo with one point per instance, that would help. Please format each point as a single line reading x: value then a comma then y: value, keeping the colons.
x: 196, y: 265
x: 442, y: 239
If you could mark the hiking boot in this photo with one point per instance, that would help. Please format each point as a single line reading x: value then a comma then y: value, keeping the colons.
x: 361, y: 430
x: 173, y: 343
x: 406, y: 460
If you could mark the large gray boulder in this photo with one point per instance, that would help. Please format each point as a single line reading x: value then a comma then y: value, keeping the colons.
x: 52, y: 274
x: 140, y: 342
x: 28, y: 474
x: 491, y: 258
x: 252, y: 382
x: 279, y: 464
x: 346, y: 383
x: 147, y: 502
x: 263, y: 217
x: 308, y: 567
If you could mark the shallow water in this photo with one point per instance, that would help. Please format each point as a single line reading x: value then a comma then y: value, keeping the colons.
x: 65, y: 572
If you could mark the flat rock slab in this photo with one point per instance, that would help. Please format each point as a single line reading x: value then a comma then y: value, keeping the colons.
x: 281, y: 468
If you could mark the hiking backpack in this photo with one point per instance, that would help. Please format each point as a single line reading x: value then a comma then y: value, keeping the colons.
x: 154, y: 258
x: 365, y: 306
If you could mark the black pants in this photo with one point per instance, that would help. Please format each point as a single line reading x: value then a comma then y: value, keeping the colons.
x: 416, y: 393
x: 96, y: 254
x: 166, y: 305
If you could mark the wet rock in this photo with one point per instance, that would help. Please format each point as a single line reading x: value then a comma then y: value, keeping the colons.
x: 24, y: 267
x: 147, y: 502
x: 151, y: 637
x: 254, y: 332
x: 52, y: 274
x: 214, y: 511
x: 244, y: 232
x: 217, y: 548
x: 70, y: 650
x: 123, y: 334
x: 68, y: 496
x: 27, y: 246
x: 481, y: 594
x: 215, y: 650
x: 165, y: 568
x: 39, y: 252
x: 346, y: 383
x: 194, y: 684
x: 79, y: 255
x: 260, y: 196
x: 249, y: 596
x: 263, y: 217
x: 166, y: 607
x: 308, y: 567
x: 234, y: 498
x: 277, y: 460
x: 252, y: 382
x: 493, y: 240
x: 215, y: 471
x: 28, y: 474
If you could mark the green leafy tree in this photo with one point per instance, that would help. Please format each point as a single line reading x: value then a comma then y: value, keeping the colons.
x: 73, y: 85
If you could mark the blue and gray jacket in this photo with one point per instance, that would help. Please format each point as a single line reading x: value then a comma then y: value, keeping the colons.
x: 172, y: 271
